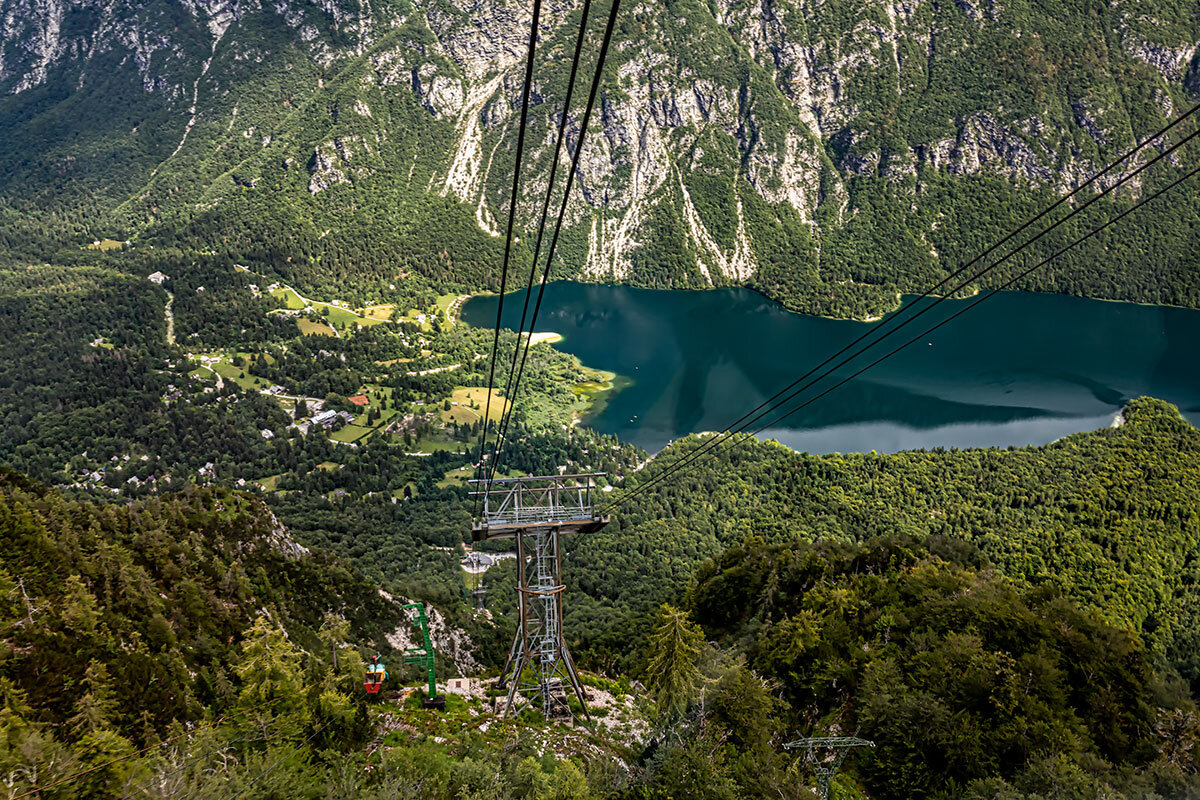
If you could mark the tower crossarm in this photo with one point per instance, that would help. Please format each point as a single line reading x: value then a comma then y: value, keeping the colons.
x: 513, y: 505
x: 829, y: 741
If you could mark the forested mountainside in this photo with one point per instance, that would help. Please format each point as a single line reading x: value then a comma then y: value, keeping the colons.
x: 188, y: 646
x: 1108, y: 518
x: 830, y: 154
x: 160, y: 597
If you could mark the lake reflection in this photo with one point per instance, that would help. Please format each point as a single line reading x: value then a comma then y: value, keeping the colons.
x: 1018, y: 369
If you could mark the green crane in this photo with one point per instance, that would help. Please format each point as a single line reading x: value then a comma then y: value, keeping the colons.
x: 423, y: 657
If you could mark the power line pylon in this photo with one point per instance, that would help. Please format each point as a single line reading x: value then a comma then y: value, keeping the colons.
x: 536, y: 511
x: 826, y: 754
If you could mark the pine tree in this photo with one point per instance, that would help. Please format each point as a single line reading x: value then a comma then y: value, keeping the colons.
x: 96, y: 708
x: 272, y: 684
x: 673, y: 675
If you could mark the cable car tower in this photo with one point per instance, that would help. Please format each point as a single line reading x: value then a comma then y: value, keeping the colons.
x: 826, y: 754
x: 536, y: 511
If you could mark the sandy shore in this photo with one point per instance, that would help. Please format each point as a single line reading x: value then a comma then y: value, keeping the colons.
x: 546, y: 336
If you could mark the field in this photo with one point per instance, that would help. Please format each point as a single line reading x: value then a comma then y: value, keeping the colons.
x: 350, y: 433
x: 270, y: 483
x: 463, y: 414
x: 429, y: 445
x: 310, y: 328
x: 381, y: 313
x: 106, y: 245
x: 290, y: 297
x: 229, y: 372
x: 334, y: 313
x: 456, y: 477
x: 447, y: 304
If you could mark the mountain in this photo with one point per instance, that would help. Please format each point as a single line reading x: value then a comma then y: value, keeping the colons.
x: 189, y: 646
x: 1107, y: 517
x: 830, y: 154
x: 163, y: 594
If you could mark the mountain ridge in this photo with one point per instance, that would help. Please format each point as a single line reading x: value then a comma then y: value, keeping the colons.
x: 780, y: 145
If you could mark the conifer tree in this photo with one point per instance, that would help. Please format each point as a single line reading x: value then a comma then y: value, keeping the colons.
x: 96, y: 708
x: 272, y: 685
x: 673, y: 674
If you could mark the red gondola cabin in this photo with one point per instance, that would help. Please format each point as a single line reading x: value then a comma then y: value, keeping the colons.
x: 376, y: 675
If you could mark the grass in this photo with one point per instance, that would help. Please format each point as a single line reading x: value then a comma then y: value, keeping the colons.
x: 270, y: 483
x: 335, y: 314
x: 377, y: 395
x: 229, y: 372
x: 382, y: 313
x: 456, y: 477
x: 106, y: 245
x: 399, y: 493
x: 443, y: 306
x: 430, y: 445
x: 344, y: 316
x: 350, y: 433
x: 290, y: 297
x: 310, y: 328
x: 463, y: 414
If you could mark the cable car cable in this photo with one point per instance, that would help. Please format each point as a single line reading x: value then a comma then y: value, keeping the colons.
x: 745, y: 422
x: 960, y: 312
x: 730, y: 431
x: 587, y: 114
x: 982, y: 298
x: 537, y: 249
x: 512, y: 211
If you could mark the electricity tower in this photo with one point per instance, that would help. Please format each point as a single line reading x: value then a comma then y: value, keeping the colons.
x: 826, y: 754
x: 536, y: 511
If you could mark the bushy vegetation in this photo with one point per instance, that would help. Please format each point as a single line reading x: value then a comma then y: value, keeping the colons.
x: 1108, y: 517
x: 968, y: 685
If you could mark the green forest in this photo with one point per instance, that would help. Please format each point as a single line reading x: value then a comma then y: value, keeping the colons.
x: 239, y: 413
x: 187, y: 645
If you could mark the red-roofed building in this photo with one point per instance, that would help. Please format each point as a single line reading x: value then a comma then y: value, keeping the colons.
x: 359, y: 400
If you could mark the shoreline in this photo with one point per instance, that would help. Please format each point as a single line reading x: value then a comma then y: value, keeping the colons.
x: 899, y: 304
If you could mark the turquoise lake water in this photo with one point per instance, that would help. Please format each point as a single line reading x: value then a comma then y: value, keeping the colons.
x: 1018, y: 369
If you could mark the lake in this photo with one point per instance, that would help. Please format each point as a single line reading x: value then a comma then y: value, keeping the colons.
x: 1018, y: 369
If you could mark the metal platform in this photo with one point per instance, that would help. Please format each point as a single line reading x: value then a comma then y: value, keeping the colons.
x: 512, y: 505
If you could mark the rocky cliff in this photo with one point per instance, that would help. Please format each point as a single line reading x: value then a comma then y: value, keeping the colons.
x: 830, y: 153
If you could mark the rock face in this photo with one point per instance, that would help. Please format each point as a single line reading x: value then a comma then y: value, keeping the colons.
x: 448, y: 641
x: 707, y: 106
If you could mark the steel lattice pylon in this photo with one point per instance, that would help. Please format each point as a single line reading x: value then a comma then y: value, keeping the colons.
x: 536, y: 511
x: 834, y: 748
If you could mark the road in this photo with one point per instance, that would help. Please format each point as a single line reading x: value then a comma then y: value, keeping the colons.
x: 170, y: 316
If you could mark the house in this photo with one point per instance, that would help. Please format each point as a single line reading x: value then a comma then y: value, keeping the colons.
x: 266, y: 433
x: 359, y: 400
x: 325, y: 418
x: 465, y: 687
x: 157, y: 278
